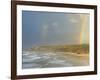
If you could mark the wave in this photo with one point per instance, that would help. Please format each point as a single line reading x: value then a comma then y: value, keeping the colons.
x: 32, y: 59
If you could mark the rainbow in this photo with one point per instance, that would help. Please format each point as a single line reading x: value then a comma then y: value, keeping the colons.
x: 84, y: 36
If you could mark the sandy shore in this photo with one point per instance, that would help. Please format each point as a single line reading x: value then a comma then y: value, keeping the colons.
x: 81, y: 59
x: 38, y: 59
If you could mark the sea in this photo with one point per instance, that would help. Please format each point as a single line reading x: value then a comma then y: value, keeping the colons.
x: 40, y: 59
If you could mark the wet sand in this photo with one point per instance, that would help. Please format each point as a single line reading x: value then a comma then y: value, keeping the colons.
x: 76, y: 59
x: 33, y: 59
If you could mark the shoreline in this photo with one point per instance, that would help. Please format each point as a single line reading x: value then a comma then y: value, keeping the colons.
x: 56, y: 59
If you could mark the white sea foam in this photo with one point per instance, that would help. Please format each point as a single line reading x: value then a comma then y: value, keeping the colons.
x: 42, y: 60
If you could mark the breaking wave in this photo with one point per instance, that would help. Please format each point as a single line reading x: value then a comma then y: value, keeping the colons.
x: 32, y: 59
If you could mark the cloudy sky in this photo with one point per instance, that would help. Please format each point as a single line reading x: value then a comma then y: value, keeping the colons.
x: 41, y: 28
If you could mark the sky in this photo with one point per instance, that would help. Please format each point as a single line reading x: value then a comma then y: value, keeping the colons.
x: 54, y: 28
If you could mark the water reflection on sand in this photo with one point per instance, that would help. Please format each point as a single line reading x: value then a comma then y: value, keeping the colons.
x: 32, y: 59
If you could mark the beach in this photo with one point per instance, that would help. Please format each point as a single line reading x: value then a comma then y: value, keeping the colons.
x: 41, y: 59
